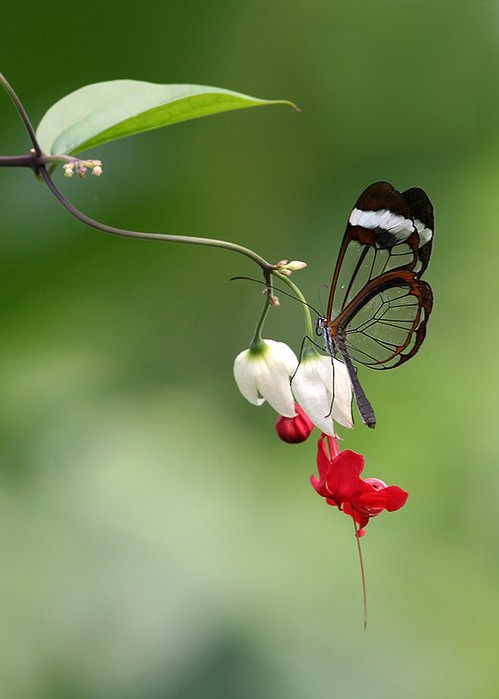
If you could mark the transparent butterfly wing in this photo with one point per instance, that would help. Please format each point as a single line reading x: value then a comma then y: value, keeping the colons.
x: 388, y: 325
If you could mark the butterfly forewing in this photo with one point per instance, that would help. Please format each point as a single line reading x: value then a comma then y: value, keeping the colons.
x: 362, y: 263
x: 381, y: 235
x: 422, y: 212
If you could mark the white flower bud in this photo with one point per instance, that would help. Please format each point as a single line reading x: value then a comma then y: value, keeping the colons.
x: 295, y: 265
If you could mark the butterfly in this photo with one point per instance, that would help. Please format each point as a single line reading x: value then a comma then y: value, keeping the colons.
x: 379, y: 306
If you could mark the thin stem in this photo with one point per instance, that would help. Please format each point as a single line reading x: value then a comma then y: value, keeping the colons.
x: 31, y: 160
x: 256, y: 340
x: 362, y: 572
x: 112, y: 230
x: 22, y: 113
x: 35, y: 161
x: 309, y: 328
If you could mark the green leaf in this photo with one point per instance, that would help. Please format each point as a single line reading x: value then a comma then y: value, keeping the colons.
x: 109, y: 110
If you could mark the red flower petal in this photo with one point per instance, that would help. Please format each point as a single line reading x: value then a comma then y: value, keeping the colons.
x: 390, y: 498
x: 343, y: 481
x: 323, y: 463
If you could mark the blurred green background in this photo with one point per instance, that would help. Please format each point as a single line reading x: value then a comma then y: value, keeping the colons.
x: 158, y: 541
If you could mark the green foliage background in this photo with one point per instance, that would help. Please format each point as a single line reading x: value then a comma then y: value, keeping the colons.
x: 158, y: 541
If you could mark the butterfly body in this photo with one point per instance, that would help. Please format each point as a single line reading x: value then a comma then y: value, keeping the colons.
x: 378, y: 305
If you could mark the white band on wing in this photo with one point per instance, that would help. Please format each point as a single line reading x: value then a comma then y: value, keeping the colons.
x: 398, y: 226
x: 425, y: 234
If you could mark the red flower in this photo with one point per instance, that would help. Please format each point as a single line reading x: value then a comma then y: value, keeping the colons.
x: 294, y: 429
x: 340, y: 483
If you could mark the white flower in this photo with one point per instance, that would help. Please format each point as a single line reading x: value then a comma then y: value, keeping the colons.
x: 313, y: 389
x: 263, y: 373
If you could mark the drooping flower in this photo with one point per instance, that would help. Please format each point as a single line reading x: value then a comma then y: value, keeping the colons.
x: 294, y: 429
x: 316, y: 382
x: 340, y: 484
x: 263, y: 372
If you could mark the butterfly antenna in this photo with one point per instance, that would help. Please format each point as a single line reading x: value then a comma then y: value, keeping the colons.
x: 362, y: 572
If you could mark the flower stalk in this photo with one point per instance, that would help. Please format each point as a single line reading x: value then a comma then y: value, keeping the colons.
x: 309, y: 326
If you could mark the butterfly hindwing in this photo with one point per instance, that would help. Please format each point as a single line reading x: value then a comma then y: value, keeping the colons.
x: 388, y: 325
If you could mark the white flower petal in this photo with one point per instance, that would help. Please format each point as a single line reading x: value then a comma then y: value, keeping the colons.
x: 282, y: 354
x: 265, y: 375
x: 342, y: 406
x: 243, y: 374
x: 313, y: 389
